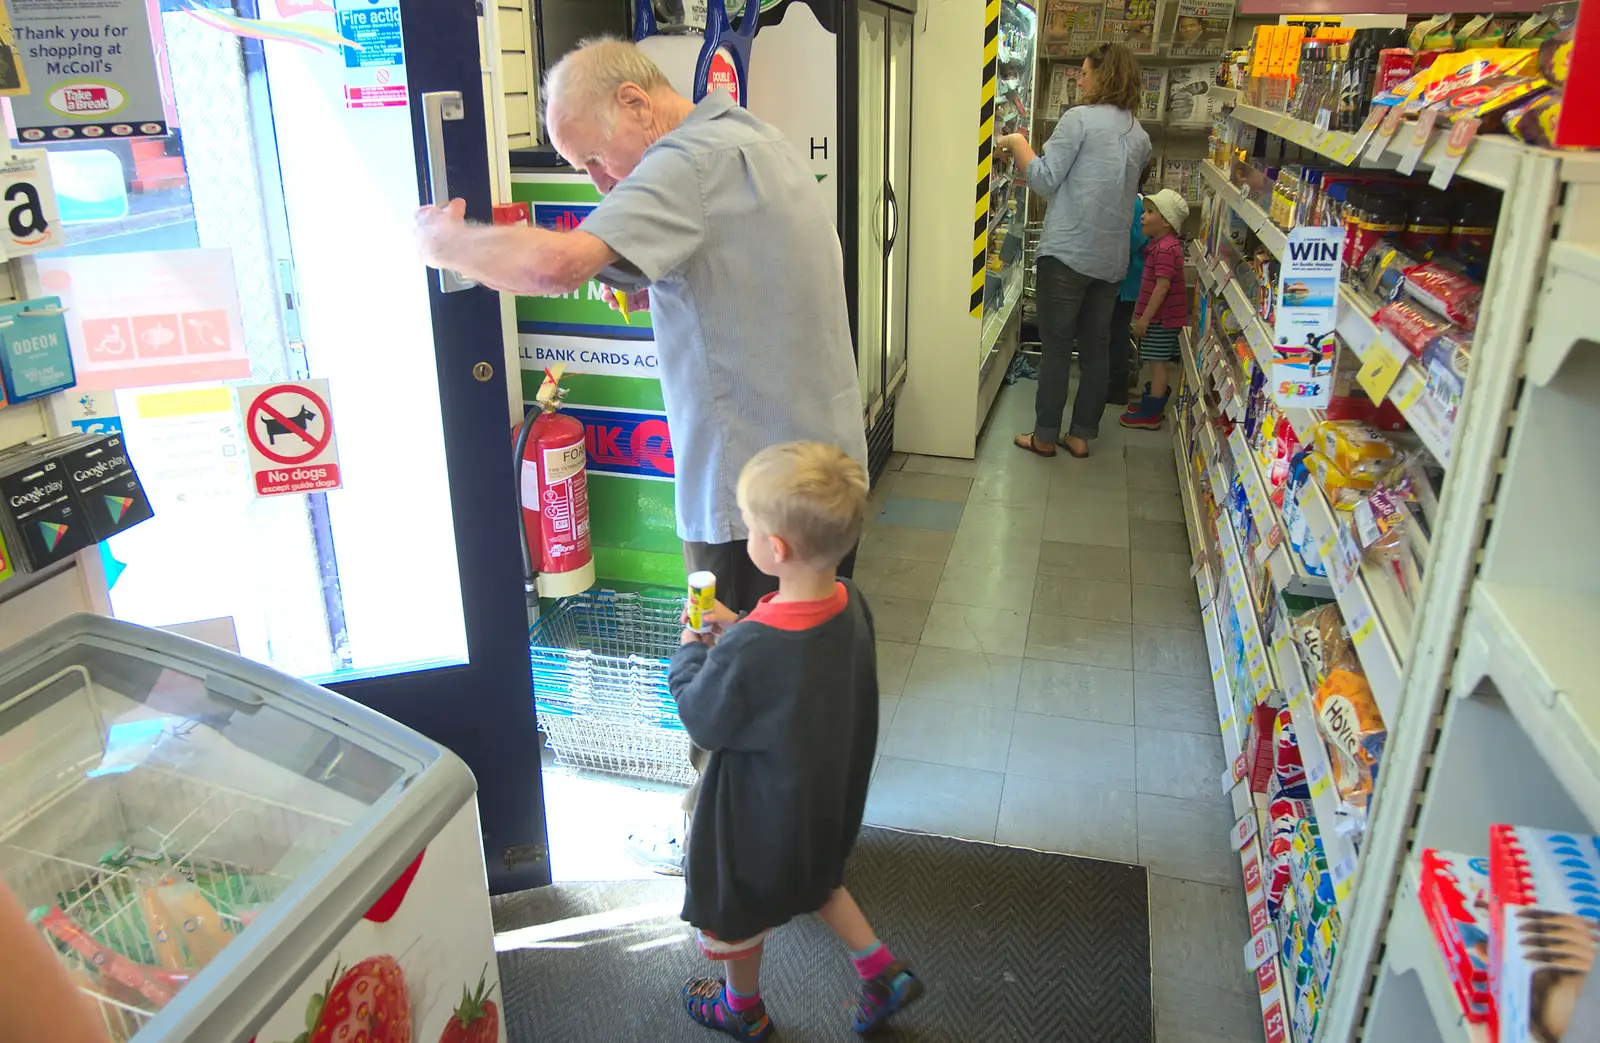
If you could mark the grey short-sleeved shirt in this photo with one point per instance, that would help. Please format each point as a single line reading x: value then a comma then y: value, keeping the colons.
x: 728, y: 229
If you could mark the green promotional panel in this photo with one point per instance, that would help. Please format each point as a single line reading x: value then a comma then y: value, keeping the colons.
x: 632, y: 514
x: 561, y: 201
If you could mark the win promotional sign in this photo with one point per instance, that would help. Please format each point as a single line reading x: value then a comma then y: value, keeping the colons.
x: 1302, y: 336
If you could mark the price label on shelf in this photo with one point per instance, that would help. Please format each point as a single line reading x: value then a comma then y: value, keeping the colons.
x: 1381, y: 368
x: 1262, y: 947
x: 1273, y: 1024
x: 1244, y: 830
x: 1259, y: 916
x: 1252, y: 871
x: 1386, y: 132
x: 1421, y: 135
x: 1362, y: 625
x: 1343, y: 873
x: 1368, y: 126
x: 1322, y: 785
x: 1409, y: 397
x: 1456, y: 143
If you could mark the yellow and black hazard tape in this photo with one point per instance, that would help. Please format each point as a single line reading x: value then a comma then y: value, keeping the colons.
x: 980, y: 216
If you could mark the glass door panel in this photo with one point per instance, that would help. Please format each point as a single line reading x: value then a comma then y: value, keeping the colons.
x: 899, y: 141
x: 872, y: 205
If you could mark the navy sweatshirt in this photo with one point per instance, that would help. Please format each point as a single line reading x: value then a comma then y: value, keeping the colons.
x: 787, y: 705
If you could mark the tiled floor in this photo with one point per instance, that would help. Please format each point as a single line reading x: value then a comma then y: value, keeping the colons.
x: 1045, y: 684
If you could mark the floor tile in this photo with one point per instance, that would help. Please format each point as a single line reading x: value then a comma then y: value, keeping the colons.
x: 1179, y: 764
x: 1089, y: 693
x: 962, y: 736
x: 1144, y: 534
x: 982, y: 550
x: 894, y: 663
x: 933, y: 487
x: 900, y: 619
x: 1082, y: 598
x: 893, y: 541
x: 920, y: 514
x: 999, y: 522
x: 975, y: 678
x: 1090, y: 642
x: 1084, y: 561
x: 1151, y: 506
x: 897, y: 461
x: 1162, y: 478
x: 1103, y: 474
x: 1070, y: 818
x: 936, y: 798
x: 985, y: 588
x: 1183, y: 704
x: 1169, y: 650
x: 1161, y: 568
x: 1149, y: 457
x: 1167, y: 606
x: 1010, y: 488
x: 1188, y: 1012
x: 1092, y: 521
x: 945, y: 465
x: 972, y: 629
x: 898, y: 578
x: 1187, y: 839
x: 1198, y: 931
x: 887, y: 704
x: 1069, y: 750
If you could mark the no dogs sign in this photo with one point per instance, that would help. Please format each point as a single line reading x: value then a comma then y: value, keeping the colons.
x: 289, y: 427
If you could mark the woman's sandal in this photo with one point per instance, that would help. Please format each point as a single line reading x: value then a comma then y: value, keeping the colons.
x: 1073, y: 452
x: 1027, y: 441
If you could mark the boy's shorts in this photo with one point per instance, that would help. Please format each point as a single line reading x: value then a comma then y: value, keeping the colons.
x: 1159, y: 344
x: 717, y: 949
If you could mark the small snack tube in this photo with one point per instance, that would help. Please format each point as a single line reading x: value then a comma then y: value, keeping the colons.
x: 702, y: 599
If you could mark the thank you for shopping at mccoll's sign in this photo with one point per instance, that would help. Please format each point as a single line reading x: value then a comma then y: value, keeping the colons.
x: 91, y: 69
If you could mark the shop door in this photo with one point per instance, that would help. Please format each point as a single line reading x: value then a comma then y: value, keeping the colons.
x: 297, y: 166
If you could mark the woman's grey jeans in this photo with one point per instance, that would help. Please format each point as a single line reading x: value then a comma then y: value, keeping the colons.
x: 1072, y: 309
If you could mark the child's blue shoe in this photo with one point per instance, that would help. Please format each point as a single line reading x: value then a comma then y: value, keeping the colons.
x: 706, y: 1001
x: 884, y: 995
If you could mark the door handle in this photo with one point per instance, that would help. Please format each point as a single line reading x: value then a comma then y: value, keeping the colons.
x: 894, y: 229
x: 438, y: 108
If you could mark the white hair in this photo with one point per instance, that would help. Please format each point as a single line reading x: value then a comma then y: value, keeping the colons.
x: 586, y: 79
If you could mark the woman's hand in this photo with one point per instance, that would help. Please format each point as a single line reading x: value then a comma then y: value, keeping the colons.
x: 1008, y: 142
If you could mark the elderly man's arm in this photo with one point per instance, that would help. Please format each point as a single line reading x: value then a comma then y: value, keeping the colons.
x: 513, y: 259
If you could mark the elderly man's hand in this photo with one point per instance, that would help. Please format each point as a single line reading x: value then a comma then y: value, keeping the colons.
x: 638, y: 300
x: 437, y: 227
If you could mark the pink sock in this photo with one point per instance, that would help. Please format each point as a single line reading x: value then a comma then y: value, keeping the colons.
x: 739, y: 1003
x: 872, y: 961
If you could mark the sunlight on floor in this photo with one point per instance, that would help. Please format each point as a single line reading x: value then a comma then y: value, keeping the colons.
x: 589, y: 819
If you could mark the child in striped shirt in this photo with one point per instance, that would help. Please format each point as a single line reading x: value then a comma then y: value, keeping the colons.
x: 1163, y: 308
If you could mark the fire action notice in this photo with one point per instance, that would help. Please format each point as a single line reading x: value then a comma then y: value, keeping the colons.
x: 92, y: 69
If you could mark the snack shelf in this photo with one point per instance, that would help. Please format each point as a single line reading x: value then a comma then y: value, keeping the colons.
x: 1336, y: 844
x: 1412, y: 947
x: 1370, y: 632
x: 995, y: 319
x: 1288, y: 573
x: 1244, y: 606
x: 1271, y: 236
x: 1537, y: 645
x: 1491, y: 160
x: 1208, y: 610
x: 1409, y: 392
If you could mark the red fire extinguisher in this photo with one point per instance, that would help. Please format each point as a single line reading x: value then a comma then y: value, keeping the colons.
x: 556, y: 558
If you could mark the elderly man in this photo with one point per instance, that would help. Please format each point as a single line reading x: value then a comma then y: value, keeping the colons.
x: 716, y: 214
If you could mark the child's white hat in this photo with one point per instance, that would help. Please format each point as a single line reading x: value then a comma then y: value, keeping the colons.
x: 1170, y: 205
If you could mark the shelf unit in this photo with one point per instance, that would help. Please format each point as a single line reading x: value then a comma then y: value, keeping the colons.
x: 1489, y: 694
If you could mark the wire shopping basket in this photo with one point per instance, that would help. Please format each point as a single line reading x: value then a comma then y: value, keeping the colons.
x: 600, y: 664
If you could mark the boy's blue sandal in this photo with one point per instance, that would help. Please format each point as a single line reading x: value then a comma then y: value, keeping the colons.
x: 885, y: 995
x: 706, y: 1001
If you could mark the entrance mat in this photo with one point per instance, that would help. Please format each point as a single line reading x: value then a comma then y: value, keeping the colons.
x: 1012, y: 944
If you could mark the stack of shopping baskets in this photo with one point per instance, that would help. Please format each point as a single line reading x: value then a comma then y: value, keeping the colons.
x: 600, y: 664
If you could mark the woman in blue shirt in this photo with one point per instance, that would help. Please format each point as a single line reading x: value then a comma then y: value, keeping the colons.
x: 1089, y: 171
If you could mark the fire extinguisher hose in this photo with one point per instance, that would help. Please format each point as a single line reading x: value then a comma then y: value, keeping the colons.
x: 530, y: 575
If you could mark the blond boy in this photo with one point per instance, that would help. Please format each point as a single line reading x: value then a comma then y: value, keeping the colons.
x: 786, y: 702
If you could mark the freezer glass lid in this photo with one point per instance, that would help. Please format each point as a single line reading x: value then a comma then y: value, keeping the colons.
x: 151, y: 810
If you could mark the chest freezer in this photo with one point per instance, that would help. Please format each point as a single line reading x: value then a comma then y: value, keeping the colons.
x: 219, y: 852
